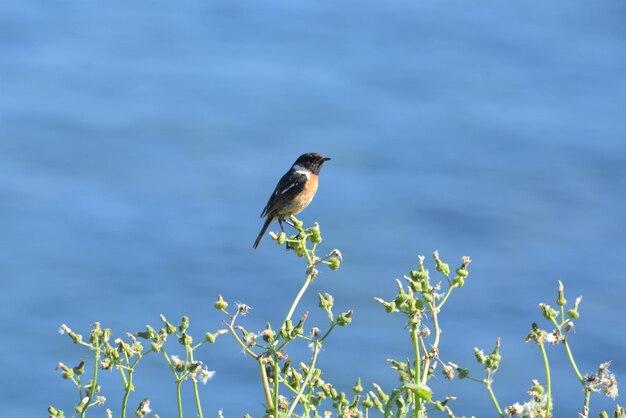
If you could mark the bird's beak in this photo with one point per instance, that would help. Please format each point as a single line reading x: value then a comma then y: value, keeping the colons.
x: 325, y: 159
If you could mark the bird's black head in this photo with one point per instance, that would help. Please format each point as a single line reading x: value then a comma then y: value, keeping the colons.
x: 311, y: 161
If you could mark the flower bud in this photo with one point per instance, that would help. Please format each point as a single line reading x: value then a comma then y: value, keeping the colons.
x: 76, y: 338
x: 282, y: 238
x: 299, y: 250
x: 377, y: 403
x: 185, y: 339
x: 210, y: 338
x: 367, y: 402
x: 560, y: 300
x: 286, y: 329
x: 389, y: 306
x: 315, y: 235
x: 95, y: 336
x: 169, y: 328
x: 184, y: 324
x: 221, y: 304
x: 401, y: 299
x: 441, y: 266
x: 480, y: 356
x: 548, y: 312
x: 462, y: 272
x: 148, y: 334
x: 193, y: 367
x: 416, y: 305
x: 381, y: 394
x: 326, y: 300
x: 573, y: 313
x: 536, y: 387
x: 268, y: 334
x: 419, y: 275
x: 358, y: 387
x: 82, y: 405
x: 344, y: 318
x: 334, y: 263
x: 80, y: 369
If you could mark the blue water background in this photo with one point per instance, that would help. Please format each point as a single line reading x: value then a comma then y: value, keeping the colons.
x: 139, y: 142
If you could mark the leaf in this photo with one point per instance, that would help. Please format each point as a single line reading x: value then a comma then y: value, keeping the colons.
x: 421, y: 390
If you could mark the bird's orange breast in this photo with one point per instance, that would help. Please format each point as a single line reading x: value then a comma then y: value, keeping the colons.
x: 303, y: 199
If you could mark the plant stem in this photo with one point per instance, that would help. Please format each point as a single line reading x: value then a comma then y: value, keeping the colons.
x: 266, y: 386
x: 435, y: 312
x: 307, y: 282
x: 294, y: 403
x: 579, y: 376
x: 94, y: 381
x: 128, y: 387
x: 586, y: 404
x: 487, y: 383
x: 548, y: 382
x: 197, y: 395
x: 445, y: 297
x: 418, y: 407
x: 178, y: 398
x: 195, y: 383
x: 572, y: 362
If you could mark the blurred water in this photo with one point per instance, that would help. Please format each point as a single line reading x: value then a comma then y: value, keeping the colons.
x: 140, y: 142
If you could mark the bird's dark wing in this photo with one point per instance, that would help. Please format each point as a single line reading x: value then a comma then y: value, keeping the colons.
x: 288, y: 186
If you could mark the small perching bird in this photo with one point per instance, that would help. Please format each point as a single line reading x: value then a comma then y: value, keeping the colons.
x: 294, y: 191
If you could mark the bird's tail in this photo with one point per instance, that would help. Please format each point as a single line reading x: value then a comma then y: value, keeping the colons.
x: 267, y: 223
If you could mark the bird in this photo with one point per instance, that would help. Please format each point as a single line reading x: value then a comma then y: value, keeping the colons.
x: 294, y: 191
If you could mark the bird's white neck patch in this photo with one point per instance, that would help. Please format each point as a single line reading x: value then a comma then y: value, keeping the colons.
x: 302, y: 170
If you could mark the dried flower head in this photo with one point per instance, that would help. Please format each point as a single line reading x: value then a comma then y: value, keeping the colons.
x: 242, y: 308
x: 205, y: 375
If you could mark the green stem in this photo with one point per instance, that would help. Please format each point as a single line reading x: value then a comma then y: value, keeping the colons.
x: 445, y: 297
x: 241, y: 343
x: 306, y: 284
x: 195, y: 384
x: 276, y: 385
x: 266, y: 386
x: 548, y: 382
x: 179, y: 398
x: 435, y: 311
x: 94, y: 381
x: 418, y: 407
x: 579, y: 376
x: 328, y: 332
x: 197, y: 395
x: 294, y: 403
x: 128, y: 387
x: 492, y: 395
x: 572, y: 362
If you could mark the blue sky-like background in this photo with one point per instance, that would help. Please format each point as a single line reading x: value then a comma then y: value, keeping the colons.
x: 139, y: 142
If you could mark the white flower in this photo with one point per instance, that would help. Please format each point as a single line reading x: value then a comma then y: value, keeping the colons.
x: 205, y: 375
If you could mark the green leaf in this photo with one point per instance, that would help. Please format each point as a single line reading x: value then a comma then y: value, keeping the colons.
x: 421, y: 390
